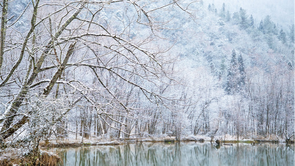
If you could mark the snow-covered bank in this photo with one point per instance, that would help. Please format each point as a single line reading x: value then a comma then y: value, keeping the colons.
x: 199, y: 138
x: 13, y: 155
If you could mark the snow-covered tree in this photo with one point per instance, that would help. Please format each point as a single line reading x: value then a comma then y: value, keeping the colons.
x: 232, y: 75
x: 282, y: 36
x: 291, y: 34
x: 244, y: 23
x: 242, y: 74
x: 261, y: 26
x: 236, y: 18
x: 228, y: 17
x: 236, y: 75
x: 96, y: 55
x: 268, y: 25
x: 222, y: 13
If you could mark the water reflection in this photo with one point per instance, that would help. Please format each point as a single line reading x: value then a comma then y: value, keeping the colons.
x: 186, y: 154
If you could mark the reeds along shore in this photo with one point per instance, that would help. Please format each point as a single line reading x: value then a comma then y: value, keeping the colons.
x: 45, y: 159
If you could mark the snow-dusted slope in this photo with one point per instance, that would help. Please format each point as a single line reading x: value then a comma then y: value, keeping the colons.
x: 281, y: 11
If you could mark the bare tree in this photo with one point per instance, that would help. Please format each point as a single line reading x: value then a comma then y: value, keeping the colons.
x: 80, y: 52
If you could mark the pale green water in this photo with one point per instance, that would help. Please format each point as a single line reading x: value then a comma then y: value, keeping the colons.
x: 183, y: 154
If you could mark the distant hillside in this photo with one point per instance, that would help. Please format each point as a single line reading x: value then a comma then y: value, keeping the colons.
x: 212, y: 37
x: 282, y: 12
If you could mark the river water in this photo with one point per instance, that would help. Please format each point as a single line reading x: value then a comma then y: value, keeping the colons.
x: 179, y: 154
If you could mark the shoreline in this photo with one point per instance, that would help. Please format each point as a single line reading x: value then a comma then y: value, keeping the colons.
x: 46, y: 156
x: 76, y: 143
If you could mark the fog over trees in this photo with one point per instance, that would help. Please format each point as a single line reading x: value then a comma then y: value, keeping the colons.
x: 282, y: 12
x: 136, y: 69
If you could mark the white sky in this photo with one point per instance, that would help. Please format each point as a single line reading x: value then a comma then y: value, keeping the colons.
x: 281, y: 11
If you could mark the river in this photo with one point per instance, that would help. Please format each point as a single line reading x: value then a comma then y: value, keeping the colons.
x: 178, y: 154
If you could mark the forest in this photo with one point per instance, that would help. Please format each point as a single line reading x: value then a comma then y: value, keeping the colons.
x: 112, y: 69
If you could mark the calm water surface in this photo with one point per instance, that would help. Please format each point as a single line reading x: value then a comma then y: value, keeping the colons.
x: 183, y: 154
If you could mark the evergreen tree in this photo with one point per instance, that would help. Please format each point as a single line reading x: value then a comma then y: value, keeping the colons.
x: 223, y: 12
x: 292, y: 34
x: 261, y: 28
x: 268, y: 25
x: 228, y: 16
x: 231, y: 85
x: 222, y: 69
x: 251, y: 24
x: 275, y: 30
x: 243, y: 18
x: 282, y: 36
x: 236, y: 18
x: 242, y: 74
x: 270, y: 41
x: 236, y: 76
x: 290, y: 66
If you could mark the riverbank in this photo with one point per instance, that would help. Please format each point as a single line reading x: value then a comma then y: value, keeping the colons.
x: 10, y: 157
x: 111, y: 142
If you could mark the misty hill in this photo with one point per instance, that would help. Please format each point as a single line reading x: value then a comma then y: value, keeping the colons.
x: 213, y: 36
x: 282, y: 12
x: 206, y: 46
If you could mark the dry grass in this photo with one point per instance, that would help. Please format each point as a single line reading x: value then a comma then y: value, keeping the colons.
x: 48, y: 159
x: 45, y: 159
